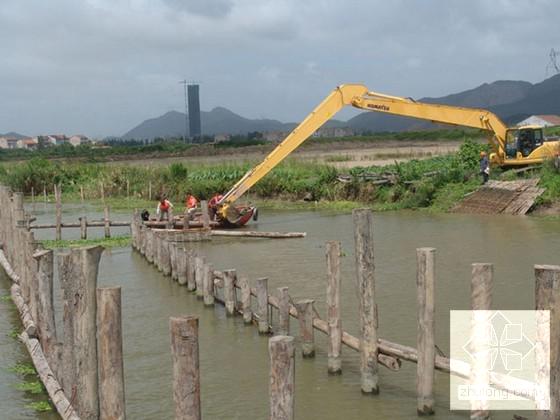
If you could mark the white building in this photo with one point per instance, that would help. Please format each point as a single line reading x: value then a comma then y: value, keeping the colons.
x: 541, y: 120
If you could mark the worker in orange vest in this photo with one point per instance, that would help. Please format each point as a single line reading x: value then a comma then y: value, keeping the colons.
x: 163, y: 207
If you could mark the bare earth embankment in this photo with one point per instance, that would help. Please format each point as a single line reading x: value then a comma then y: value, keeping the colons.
x: 340, y: 155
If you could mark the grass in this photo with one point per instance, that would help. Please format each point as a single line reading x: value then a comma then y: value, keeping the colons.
x: 40, y: 406
x: 114, y: 242
x: 14, y: 333
x: 33, y: 387
x: 23, y: 368
x: 5, y: 298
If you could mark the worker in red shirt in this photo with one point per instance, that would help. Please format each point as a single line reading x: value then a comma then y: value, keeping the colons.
x: 213, y: 205
x: 163, y: 207
x: 190, y: 202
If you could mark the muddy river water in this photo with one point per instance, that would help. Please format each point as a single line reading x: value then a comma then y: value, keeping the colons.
x: 234, y: 358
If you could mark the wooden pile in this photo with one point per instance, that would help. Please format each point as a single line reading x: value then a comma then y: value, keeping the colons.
x: 502, y: 197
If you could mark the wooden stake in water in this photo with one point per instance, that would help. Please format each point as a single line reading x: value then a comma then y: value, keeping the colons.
x: 363, y: 240
x: 281, y: 350
x: 425, y: 289
x: 333, y: 308
x: 109, y: 333
x: 305, y: 317
x: 229, y: 291
x: 186, y: 370
x: 481, y: 304
x: 547, y: 296
x: 283, y: 311
x: 262, y: 305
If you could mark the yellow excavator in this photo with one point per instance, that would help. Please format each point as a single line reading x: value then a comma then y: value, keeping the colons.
x: 511, y: 146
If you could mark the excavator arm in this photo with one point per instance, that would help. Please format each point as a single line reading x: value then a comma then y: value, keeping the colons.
x: 340, y: 97
x: 359, y: 97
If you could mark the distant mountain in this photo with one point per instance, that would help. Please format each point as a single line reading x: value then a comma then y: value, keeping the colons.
x: 13, y: 135
x: 511, y: 100
x: 217, y: 121
x: 541, y: 98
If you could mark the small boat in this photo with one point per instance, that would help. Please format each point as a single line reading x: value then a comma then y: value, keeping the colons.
x: 237, y: 217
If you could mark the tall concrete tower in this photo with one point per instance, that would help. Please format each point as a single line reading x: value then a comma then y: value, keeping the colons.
x: 195, y: 129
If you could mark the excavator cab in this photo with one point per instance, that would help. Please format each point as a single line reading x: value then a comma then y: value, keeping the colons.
x: 520, y: 142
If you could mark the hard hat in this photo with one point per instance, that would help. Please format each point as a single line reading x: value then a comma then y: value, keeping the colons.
x: 483, y: 153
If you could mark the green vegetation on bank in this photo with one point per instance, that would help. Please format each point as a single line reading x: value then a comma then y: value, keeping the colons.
x: 437, y: 182
x: 115, y: 242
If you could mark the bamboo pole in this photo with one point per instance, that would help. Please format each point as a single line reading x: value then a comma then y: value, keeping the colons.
x: 283, y: 311
x: 253, y: 234
x: 186, y: 374
x: 334, y: 364
x: 425, y: 288
x: 127, y: 189
x: 305, y: 317
x: 208, y: 285
x: 111, y: 372
x: 547, y: 297
x: 102, y: 187
x: 363, y: 239
x: 262, y: 305
x: 281, y: 351
x: 45, y: 193
x: 32, y: 195
x: 82, y: 198
x: 245, y: 299
x: 229, y: 291
x: 107, y: 222
x: 58, y: 198
x: 150, y: 190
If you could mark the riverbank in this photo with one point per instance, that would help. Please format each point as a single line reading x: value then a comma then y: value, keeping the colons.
x: 436, y: 183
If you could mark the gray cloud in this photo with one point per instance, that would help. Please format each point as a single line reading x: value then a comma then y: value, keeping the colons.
x: 102, y: 66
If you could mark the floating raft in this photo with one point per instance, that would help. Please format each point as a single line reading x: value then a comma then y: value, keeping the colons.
x: 501, y: 197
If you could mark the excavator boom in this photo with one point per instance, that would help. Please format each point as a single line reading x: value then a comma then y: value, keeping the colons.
x: 340, y: 97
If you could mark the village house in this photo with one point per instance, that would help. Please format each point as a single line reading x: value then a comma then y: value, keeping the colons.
x: 274, y: 135
x: 332, y: 132
x: 79, y: 139
x: 30, y: 143
x: 541, y: 120
x: 8, y: 142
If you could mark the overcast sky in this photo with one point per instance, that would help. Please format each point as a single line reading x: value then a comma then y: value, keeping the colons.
x: 100, y: 67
